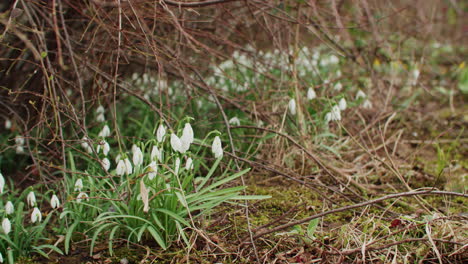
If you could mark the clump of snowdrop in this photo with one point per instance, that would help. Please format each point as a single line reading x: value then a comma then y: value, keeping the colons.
x: 54, y: 202
x: 292, y: 106
x: 36, y: 215
x: 217, y: 148
x: 311, y: 94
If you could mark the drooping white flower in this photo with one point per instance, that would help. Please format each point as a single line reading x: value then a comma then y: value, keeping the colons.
x: 187, y: 133
x: 189, y: 164
x: 100, y: 110
x: 118, y: 158
x: 152, y: 170
x: 19, y: 140
x: 120, y: 170
x: 415, y: 75
x: 367, y: 104
x: 216, y: 147
x: 137, y: 157
x: 19, y: 149
x: 85, y: 145
x: 338, y: 87
x: 155, y: 153
x: 160, y: 133
x: 176, y: 144
x: 7, y: 124
x: 234, y: 121
x: 36, y: 215
x: 9, y: 208
x: 78, y: 185
x: 106, y: 164
x: 336, y: 113
x: 105, y: 148
x: 360, y: 94
x: 54, y: 202
x: 31, y: 199
x: 177, y: 166
x: 2, y: 183
x: 311, y: 94
x: 327, y: 117
x: 128, y: 166
x: 105, y: 131
x: 334, y: 59
x: 6, y: 226
x: 81, y: 196
x: 342, y: 104
x: 292, y: 106
x: 100, y: 118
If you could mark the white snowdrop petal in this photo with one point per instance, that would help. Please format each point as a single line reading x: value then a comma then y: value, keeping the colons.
x: 292, y: 106
x: 216, y: 147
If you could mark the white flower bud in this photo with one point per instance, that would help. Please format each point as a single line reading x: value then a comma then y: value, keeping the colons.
x: 189, y: 164
x: 2, y: 183
x: 36, y: 215
x: 128, y: 166
x: 78, y: 185
x: 9, y: 208
x: 292, y: 106
x: 137, y: 157
x: 100, y: 118
x: 7, y: 124
x: 360, y: 94
x: 155, y: 153
x: 82, y: 196
x: 19, y: 141
x: 152, y: 170
x: 367, y: 104
x: 338, y: 87
x: 31, y: 199
x: 105, y: 131
x: 234, y: 121
x: 160, y: 133
x: 342, y: 104
x: 216, y: 147
x: 311, y: 94
x: 106, y: 164
x: 176, y: 144
x: 177, y: 166
x: 6, y: 225
x: 120, y: 170
x: 54, y: 202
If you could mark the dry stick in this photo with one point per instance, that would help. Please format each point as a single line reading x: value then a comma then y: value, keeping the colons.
x: 349, y: 207
x: 228, y: 127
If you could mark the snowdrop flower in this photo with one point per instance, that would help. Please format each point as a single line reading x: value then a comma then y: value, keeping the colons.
x: 160, y: 133
x: 82, y: 196
x: 128, y: 166
x: 137, y: 157
x: 118, y: 158
x: 120, y: 170
x: 367, y: 104
x: 9, y: 208
x: 100, y: 110
x: 415, y: 75
x: 216, y: 147
x: 334, y: 59
x: 100, y: 118
x: 105, y: 147
x: 36, y: 215
x: 1, y: 258
x: 176, y: 144
x: 187, y: 138
x: 177, y: 166
x: 342, y: 104
x: 54, y: 202
x: 234, y: 121
x: 333, y: 115
x: 19, y: 140
x: 105, y: 131
x: 78, y: 185
x: 292, y: 106
x: 152, y: 170
x: 189, y: 164
x: 19, y: 149
x: 338, y: 87
x: 155, y: 153
x: 2, y: 182
x: 7, y: 124
x: 31, y: 199
x: 106, y: 164
x: 311, y: 94
x: 85, y: 145
x: 360, y: 94
x: 6, y: 225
